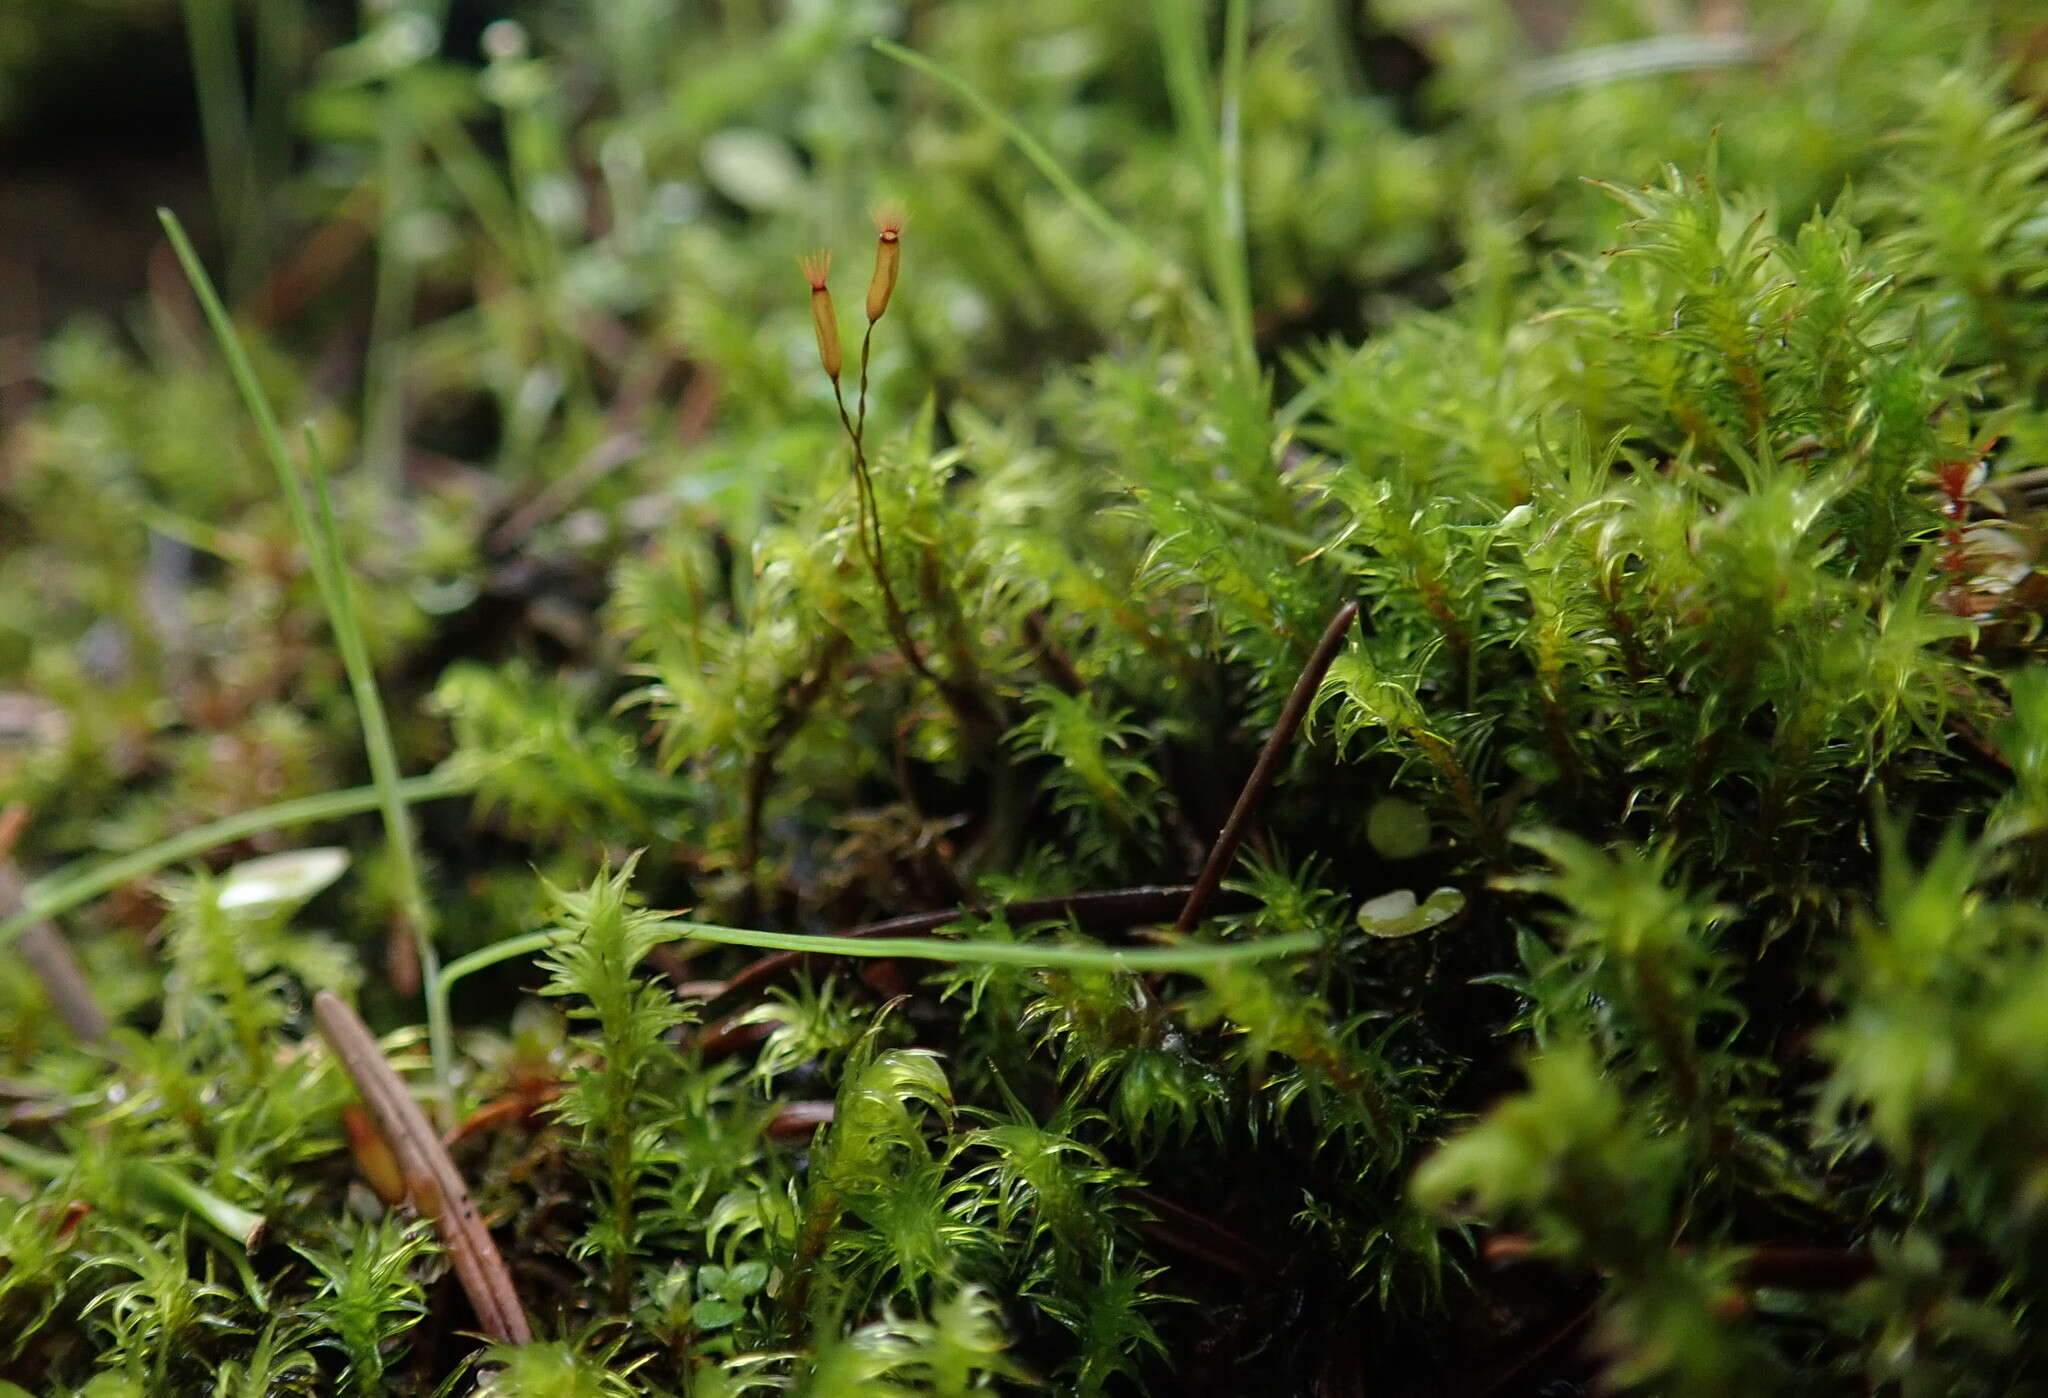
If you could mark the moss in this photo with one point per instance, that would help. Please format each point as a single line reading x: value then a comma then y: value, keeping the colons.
x: 1636, y: 943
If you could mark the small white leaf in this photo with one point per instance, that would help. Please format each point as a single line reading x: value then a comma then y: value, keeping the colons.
x: 275, y: 879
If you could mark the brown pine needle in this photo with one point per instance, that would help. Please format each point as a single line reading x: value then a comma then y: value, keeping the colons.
x: 436, y: 1189
x: 1267, y: 767
x: 43, y: 947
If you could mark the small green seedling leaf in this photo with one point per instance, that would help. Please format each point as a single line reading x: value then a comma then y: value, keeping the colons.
x: 745, y: 1279
x: 1397, y: 914
x: 715, y: 1313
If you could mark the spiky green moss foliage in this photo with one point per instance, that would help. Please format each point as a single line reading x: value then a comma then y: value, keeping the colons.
x: 370, y: 1297
x: 1722, y: 557
x: 1596, y: 1187
x: 1919, y: 1148
x: 1688, y: 636
x: 598, y: 962
x: 133, y: 1253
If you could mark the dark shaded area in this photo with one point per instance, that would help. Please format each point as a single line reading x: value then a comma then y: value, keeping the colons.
x: 131, y: 92
x: 104, y: 131
x: 96, y: 140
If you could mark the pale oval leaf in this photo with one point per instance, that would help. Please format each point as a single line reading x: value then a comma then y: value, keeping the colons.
x: 1398, y: 914
x: 276, y: 879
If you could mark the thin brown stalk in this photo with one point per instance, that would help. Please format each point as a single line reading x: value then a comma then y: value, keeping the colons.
x: 870, y: 530
x: 1278, y: 743
x: 436, y: 1189
x: 56, y: 967
x: 324, y: 255
x: 860, y: 422
x: 964, y: 698
x: 1200, y: 1236
x: 1059, y: 670
x: 611, y: 452
x: 49, y: 957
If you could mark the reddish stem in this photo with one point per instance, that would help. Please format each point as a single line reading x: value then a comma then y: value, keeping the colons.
x: 437, y: 1189
x: 1224, y: 851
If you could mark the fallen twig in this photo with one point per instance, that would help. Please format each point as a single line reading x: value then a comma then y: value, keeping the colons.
x: 730, y: 1035
x: 43, y: 947
x: 322, y: 257
x: 1577, y: 1324
x: 436, y: 1189
x: 55, y: 966
x: 796, y: 1121
x: 1201, y: 1237
x: 1224, y: 851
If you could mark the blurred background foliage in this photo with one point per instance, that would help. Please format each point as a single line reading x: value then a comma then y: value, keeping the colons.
x: 542, y: 259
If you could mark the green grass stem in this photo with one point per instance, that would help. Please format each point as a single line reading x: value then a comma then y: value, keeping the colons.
x: 383, y: 753
x: 1210, y: 131
x: 224, y: 125
x: 166, y: 1184
x: 1027, y: 145
x: 1187, y: 956
x: 462, y: 967
x: 83, y: 880
x: 322, y: 545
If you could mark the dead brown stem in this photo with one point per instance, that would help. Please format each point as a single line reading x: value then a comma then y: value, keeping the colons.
x: 798, y: 1121
x: 1200, y: 1236
x: 612, y: 452
x: 1059, y: 670
x: 436, y: 1189
x: 1224, y: 851
x: 43, y: 947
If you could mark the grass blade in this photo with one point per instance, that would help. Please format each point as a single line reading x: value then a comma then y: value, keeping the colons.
x: 1187, y: 956
x: 462, y: 967
x: 167, y: 1185
x: 1211, y: 138
x: 224, y: 126
x: 1027, y: 145
x: 323, y: 548
x: 83, y: 880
